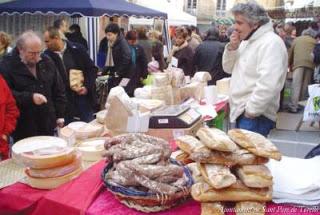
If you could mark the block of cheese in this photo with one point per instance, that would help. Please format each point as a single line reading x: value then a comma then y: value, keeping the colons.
x: 37, y: 144
x: 223, y: 86
x: 48, y: 157
x: 92, y: 149
x: 161, y: 79
x: 101, y: 116
x: 56, y: 171
x: 193, y: 90
x: 52, y: 183
x: 146, y: 105
x: 164, y: 93
x: 143, y: 93
x: 85, y: 130
x: 203, y: 77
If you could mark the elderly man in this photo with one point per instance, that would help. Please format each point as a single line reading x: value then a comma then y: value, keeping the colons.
x: 36, y: 86
x: 78, y: 73
x: 257, y: 59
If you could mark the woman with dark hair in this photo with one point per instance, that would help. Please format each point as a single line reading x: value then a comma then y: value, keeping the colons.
x: 208, y: 56
x: 182, y: 52
x: 114, y: 56
x: 139, y: 68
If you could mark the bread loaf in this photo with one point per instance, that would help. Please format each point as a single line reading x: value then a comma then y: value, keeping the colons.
x: 218, y: 176
x: 256, y: 176
x: 237, y: 192
x: 216, y: 139
x: 189, y: 144
x: 255, y: 143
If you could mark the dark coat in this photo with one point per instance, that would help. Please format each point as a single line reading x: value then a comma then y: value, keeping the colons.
x: 81, y: 62
x: 185, y: 58
x: 121, y: 57
x: 77, y: 37
x: 139, y: 70
x: 35, y: 119
x: 208, y: 57
x: 157, y: 53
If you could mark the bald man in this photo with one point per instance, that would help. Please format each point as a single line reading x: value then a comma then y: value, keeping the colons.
x: 36, y: 86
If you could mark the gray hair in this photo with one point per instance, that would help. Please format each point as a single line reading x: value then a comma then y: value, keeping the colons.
x: 253, y: 12
x: 25, y: 36
x: 310, y: 32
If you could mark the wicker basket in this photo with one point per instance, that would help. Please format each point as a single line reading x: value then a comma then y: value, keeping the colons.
x: 146, y: 201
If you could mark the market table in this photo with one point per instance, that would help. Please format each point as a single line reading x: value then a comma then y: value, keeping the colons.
x: 87, y: 195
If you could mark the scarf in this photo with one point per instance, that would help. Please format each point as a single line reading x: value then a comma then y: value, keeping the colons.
x: 176, y: 49
x: 133, y: 55
x: 109, y: 60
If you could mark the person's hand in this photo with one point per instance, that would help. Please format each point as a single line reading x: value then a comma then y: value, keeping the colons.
x: 39, y: 99
x: 83, y: 91
x: 4, y: 137
x: 60, y: 122
x: 234, y: 41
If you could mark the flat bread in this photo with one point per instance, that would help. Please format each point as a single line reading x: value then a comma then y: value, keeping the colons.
x: 218, y: 176
x: 257, y: 176
x: 216, y: 139
x: 255, y: 143
x: 203, y: 192
x: 239, y: 157
x: 250, y: 208
x: 212, y: 208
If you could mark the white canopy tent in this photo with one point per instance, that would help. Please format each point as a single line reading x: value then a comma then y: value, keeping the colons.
x: 176, y: 17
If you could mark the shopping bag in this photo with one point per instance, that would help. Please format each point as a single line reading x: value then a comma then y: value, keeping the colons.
x: 312, y: 109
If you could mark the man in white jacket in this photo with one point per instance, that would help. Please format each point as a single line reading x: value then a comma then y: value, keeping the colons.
x: 258, y: 61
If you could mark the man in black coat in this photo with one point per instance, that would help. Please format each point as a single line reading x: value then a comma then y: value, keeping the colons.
x: 36, y: 86
x: 69, y: 57
x: 115, y: 56
x: 208, y: 56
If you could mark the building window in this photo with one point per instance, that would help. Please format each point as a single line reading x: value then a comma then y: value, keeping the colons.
x: 192, y: 4
x: 221, y: 7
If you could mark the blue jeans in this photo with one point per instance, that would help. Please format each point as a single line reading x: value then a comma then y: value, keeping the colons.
x: 261, y: 124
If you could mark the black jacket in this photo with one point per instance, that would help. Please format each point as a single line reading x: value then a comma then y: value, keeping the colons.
x: 139, y: 70
x: 77, y: 37
x: 208, y: 57
x: 121, y: 57
x: 34, y: 120
x: 82, y: 62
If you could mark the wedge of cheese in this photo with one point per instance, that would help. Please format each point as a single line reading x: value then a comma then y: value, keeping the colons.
x: 92, y: 149
x: 85, y: 130
x: 101, y: 116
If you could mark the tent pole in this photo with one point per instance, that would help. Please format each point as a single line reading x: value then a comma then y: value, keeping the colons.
x: 92, y: 32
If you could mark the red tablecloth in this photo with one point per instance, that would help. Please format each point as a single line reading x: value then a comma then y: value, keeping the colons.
x: 107, y: 204
x: 71, y: 198
x: 86, y: 195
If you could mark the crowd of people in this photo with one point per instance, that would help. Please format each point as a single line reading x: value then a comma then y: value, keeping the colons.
x: 45, y: 89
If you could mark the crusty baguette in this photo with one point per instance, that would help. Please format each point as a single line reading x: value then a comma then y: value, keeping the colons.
x: 250, y: 208
x: 255, y: 143
x: 216, y: 139
x: 218, y: 176
x: 202, y: 192
x: 256, y: 176
x: 239, y: 157
x: 212, y: 208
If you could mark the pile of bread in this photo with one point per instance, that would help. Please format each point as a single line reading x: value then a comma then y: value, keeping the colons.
x: 229, y: 168
x: 48, y: 161
x: 173, y: 87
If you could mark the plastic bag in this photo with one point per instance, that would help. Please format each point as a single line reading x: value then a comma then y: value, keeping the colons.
x: 312, y: 109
